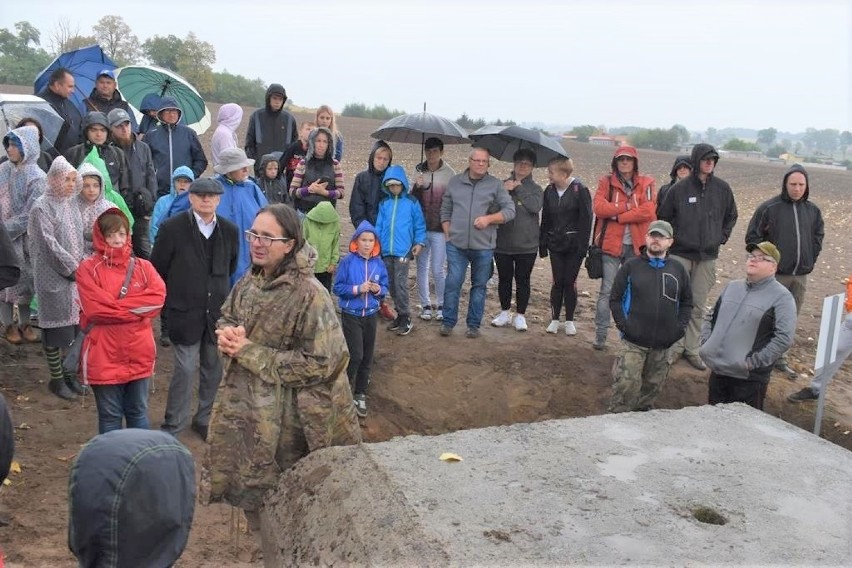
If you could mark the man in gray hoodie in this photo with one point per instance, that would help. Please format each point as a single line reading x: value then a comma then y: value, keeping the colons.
x: 752, y: 325
x: 473, y: 204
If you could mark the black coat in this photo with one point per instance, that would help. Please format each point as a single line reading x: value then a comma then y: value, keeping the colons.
x: 70, y: 134
x: 196, y: 286
x: 566, y: 222
x: 651, y: 305
x: 142, y: 178
x: 113, y: 157
x: 10, y: 267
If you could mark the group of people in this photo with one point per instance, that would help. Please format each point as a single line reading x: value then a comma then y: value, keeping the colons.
x: 243, y: 269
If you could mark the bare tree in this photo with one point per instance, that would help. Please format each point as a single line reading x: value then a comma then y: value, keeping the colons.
x: 117, y: 40
x: 65, y: 36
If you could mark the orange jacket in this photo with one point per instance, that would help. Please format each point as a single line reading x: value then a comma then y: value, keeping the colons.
x: 622, y: 212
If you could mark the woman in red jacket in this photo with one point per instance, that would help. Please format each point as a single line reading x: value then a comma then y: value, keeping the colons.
x: 118, y: 353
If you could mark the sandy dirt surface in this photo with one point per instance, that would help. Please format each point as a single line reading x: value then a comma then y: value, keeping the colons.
x: 423, y: 383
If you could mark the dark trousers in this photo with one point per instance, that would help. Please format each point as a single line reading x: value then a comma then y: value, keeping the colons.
x: 141, y: 245
x: 325, y: 278
x: 565, y: 266
x: 360, y: 334
x: 517, y: 267
x: 729, y: 389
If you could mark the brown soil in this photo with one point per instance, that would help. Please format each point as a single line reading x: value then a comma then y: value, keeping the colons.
x: 423, y: 383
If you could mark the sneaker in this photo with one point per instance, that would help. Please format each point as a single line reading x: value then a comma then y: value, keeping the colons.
x: 60, y: 389
x: 503, y: 319
x: 599, y: 344
x: 445, y: 331
x: 553, y: 327
x: 360, y: 405
x: 405, y: 326
x: 570, y: 329
x: 29, y: 335
x: 695, y: 361
x: 472, y: 333
x: 439, y: 313
x: 520, y: 322
x: 386, y: 312
x: 787, y: 370
x: 806, y: 393
x: 394, y: 325
x: 426, y: 314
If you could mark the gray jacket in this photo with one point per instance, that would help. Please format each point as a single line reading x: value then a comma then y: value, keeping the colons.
x: 465, y: 200
x: 751, y: 326
x: 143, y: 178
x: 520, y: 235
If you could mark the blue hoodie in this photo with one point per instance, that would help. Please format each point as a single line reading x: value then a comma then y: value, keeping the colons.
x: 171, y: 204
x: 400, y: 223
x: 239, y: 205
x: 354, y: 270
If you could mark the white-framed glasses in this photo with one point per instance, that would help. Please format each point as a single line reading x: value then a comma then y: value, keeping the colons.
x: 263, y: 239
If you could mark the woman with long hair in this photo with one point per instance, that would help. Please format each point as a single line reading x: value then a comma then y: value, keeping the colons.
x: 325, y: 119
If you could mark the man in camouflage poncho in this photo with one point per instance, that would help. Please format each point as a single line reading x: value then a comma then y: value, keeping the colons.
x: 284, y: 392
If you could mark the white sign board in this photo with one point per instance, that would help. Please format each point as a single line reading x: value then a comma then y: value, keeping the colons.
x: 829, y: 334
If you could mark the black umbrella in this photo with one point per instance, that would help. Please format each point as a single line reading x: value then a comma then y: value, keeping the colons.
x: 416, y: 128
x: 503, y: 141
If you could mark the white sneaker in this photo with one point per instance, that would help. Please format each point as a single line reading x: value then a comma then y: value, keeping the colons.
x: 520, y: 322
x: 439, y: 313
x: 553, y: 327
x: 570, y: 329
x: 503, y: 319
x: 426, y: 314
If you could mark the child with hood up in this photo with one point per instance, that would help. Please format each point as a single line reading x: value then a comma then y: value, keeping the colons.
x: 229, y: 118
x: 361, y: 282
x: 401, y: 228
x: 56, y: 244
x: 21, y: 183
x: 321, y: 228
x: 91, y: 201
x: 118, y: 353
x: 319, y: 176
x: 271, y: 182
x: 176, y: 201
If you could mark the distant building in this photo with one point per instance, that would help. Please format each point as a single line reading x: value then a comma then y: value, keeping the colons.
x: 604, y: 140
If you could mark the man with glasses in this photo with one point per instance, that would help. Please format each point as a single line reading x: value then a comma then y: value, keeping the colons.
x: 702, y: 211
x: 651, y: 303
x: 474, y: 203
x: 142, y: 178
x: 751, y: 326
x: 196, y: 254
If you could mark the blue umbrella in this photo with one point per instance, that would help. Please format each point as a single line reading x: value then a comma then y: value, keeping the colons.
x: 84, y: 64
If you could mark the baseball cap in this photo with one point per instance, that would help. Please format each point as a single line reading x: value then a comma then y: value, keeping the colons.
x: 661, y: 227
x: 106, y: 73
x: 766, y: 248
x: 117, y: 116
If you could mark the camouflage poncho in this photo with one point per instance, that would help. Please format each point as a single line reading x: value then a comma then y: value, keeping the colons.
x: 284, y: 395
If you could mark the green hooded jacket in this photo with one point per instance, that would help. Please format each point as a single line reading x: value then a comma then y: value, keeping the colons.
x: 321, y: 228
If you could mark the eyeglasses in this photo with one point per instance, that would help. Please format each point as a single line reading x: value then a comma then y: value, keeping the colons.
x: 759, y: 258
x: 263, y: 239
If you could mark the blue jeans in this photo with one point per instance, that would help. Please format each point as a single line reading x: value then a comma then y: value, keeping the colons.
x: 128, y: 401
x: 481, y: 264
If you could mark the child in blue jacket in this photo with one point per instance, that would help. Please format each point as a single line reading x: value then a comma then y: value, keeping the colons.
x: 360, y: 283
x: 175, y: 202
x: 401, y: 228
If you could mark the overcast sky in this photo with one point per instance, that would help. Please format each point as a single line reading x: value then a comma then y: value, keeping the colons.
x: 786, y: 64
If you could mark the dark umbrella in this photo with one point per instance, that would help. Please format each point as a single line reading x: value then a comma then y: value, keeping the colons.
x: 84, y: 64
x: 416, y: 128
x: 503, y: 141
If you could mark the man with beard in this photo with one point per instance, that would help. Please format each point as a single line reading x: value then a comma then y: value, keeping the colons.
x: 651, y: 303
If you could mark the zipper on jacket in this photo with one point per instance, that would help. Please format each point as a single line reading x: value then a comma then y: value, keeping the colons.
x: 798, y: 238
x: 393, y: 222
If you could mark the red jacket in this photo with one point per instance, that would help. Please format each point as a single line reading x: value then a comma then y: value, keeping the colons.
x: 120, y: 346
x: 622, y: 212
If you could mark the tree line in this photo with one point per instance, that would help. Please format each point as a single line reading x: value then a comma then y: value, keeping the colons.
x: 23, y: 56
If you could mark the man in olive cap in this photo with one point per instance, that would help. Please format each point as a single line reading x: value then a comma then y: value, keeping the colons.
x: 651, y: 303
x: 751, y: 326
